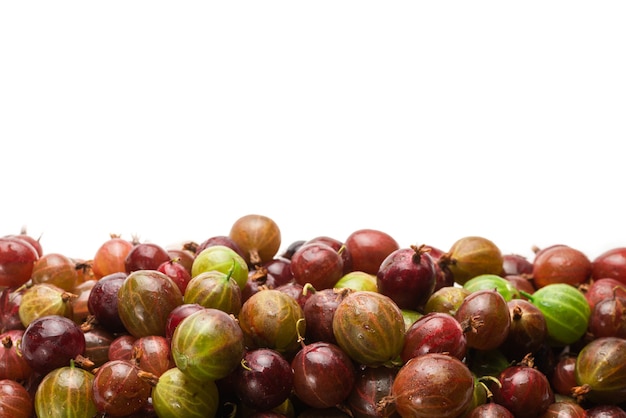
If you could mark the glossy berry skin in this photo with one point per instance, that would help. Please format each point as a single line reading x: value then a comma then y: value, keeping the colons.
x: 608, y: 318
x: 214, y: 289
x: 176, y: 271
x: 319, y: 310
x: 472, y: 256
x: 66, y: 391
x: 97, y: 343
x: 153, y: 354
x: 408, y: 277
x: 317, y: 264
x: 56, y: 269
x: 118, y: 389
x: 368, y: 248
x: 338, y: 246
x: 12, y: 363
x: 17, y: 259
x: 35, y: 242
x: 485, y: 316
x: 610, y: 264
x: 324, y: 375
x: 145, y: 256
x: 516, y: 265
x: 50, y: 342
x: 600, y: 371
x: 524, y: 390
x: 435, y: 332
x: 110, y: 257
x: 122, y: 347
x: 371, y: 386
x: 103, y: 301
x: 10, y: 299
x: 601, y: 289
x: 563, y: 378
x: 433, y: 385
x: 15, y: 401
x: 369, y: 327
x: 258, y: 236
x: 224, y: 259
x: 145, y: 300
x: 264, y: 380
x: 272, y: 319
x: 208, y: 345
x: 177, y: 395
x: 561, y: 264
x: 44, y: 299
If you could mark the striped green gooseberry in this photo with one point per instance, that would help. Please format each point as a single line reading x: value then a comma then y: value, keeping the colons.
x: 566, y: 310
x: 65, y: 391
x: 208, y: 345
x: 224, y: 259
x: 176, y: 394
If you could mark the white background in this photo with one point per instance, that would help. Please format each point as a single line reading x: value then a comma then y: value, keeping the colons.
x: 428, y: 120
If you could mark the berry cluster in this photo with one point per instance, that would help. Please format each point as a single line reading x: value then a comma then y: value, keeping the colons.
x: 357, y: 327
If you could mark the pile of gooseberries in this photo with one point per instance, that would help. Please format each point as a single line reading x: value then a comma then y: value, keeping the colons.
x: 359, y: 326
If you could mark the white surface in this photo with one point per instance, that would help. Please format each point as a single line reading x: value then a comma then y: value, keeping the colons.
x: 428, y: 120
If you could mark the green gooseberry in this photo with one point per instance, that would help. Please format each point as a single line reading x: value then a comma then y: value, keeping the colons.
x: 66, y: 391
x: 223, y: 259
x: 208, y: 345
x: 358, y: 280
x: 566, y: 310
x: 493, y: 281
x: 178, y: 395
